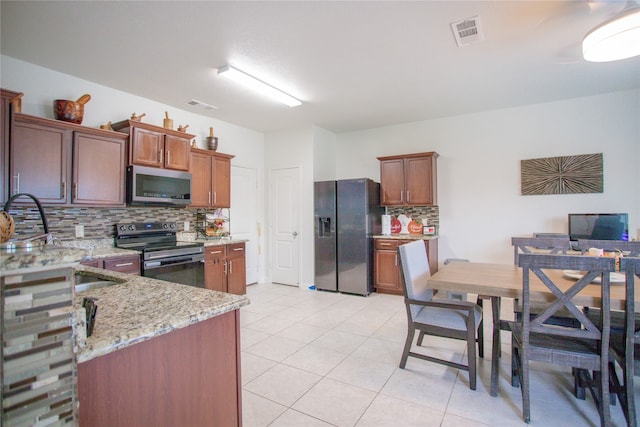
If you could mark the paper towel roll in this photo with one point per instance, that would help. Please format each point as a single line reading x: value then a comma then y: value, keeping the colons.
x: 386, y: 225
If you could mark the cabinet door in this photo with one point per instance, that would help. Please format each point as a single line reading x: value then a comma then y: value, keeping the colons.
x: 147, y: 147
x: 39, y: 162
x: 387, y: 271
x: 177, y: 153
x: 237, y: 269
x: 124, y: 264
x: 419, y: 184
x: 200, y: 180
x: 221, y: 186
x: 215, y: 268
x: 392, y: 182
x: 98, y: 170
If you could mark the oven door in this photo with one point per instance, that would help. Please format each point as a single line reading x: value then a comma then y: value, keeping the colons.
x: 187, y: 270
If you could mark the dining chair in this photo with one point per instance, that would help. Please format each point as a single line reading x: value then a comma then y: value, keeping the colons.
x: 585, y: 348
x: 540, y: 245
x: 435, y: 317
x: 625, y: 346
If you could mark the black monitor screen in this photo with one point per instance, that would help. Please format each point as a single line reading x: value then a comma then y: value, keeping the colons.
x: 599, y: 226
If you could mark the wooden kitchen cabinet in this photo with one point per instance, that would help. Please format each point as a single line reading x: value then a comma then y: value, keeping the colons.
x: 225, y: 268
x: 123, y: 263
x: 10, y: 102
x: 40, y: 159
x: 386, y: 267
x: 211, y: 179
x: 236, y: 266
x: 98, y: 169
x: 62, y: 163
x: 408, y: 180
x: 190, y: 376
x: 156, y: 146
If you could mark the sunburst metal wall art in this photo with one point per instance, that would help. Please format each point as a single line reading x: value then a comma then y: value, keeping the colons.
x: 562, y: 175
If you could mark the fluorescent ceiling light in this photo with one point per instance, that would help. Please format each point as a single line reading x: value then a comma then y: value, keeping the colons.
x: 615, y: 39
x: 258, y: 85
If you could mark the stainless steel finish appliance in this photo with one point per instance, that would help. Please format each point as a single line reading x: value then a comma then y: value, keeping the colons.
x: 347, y: 214
x: 163, y: 257
x: 158, y: 187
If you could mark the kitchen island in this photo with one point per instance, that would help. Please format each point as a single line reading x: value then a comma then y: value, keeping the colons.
x: 161, y: 354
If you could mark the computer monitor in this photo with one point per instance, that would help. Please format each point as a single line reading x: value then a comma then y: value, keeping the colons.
x: 599, y: 226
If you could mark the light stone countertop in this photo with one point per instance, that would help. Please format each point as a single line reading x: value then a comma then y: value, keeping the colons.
x: 49, y: 256
x: 406, y: 236
x: 141, y: 308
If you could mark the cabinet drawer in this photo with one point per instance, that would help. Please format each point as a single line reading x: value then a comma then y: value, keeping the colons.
x: 97, y: 263
x: 215, y: 252
x: 125, y: 264
x: 389, y: 245
x: 235, y: 250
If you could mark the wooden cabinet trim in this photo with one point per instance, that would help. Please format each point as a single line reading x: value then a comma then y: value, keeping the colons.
x: 408, y: 156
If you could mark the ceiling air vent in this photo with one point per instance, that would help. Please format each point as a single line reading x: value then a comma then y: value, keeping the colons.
x: 201, y: 104
x: 467, y: 32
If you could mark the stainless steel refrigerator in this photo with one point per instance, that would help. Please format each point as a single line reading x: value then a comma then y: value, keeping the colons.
x: 347, y: 215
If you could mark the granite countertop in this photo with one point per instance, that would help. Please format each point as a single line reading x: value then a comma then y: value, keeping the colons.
x: 46, y: 257
x: 140, y: 308
x: 186, y: 236
x: 406, y: 236
x: 98, y: 248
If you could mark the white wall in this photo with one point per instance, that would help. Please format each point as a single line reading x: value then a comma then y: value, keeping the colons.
x: 41, y: 86
x: 287, y: 149
x: 324, y: 154
x: 479, y: 167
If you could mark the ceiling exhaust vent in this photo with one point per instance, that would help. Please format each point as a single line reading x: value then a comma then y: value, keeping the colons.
x: 467, y: 32
x: 201, y: 104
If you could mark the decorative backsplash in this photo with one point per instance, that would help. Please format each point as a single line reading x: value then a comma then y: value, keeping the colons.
x: 97, y: 222
x: 431, y: 213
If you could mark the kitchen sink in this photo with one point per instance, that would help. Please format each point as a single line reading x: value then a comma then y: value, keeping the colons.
x: 84, y: 282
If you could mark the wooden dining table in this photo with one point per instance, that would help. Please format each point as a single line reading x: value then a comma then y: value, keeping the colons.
x: 497, y: 281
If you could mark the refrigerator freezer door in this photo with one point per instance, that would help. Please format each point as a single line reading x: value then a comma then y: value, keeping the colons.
x: 326, y: 277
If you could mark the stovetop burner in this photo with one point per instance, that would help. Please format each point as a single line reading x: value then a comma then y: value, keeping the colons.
x: 153, y: 237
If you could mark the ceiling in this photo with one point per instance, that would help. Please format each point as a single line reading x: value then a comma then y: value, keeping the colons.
x: 355, y: 65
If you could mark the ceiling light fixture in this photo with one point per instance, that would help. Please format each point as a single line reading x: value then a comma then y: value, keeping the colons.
x: 616, y: 39
x: 258, y: 85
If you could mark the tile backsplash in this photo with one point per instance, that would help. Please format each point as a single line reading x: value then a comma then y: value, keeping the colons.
x: 97, y: 222
x: 431, y: 213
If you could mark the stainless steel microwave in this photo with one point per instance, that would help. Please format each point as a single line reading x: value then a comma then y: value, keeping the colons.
x: 158, y: 187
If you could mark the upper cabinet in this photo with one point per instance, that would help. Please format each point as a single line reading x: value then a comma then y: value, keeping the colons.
x: 11, y: 102
x: 156, y: 146
x: 211, y: 179
x: 63, y: 163
x: 408, y: 180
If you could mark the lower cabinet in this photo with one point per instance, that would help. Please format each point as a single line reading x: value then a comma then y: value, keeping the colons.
x: 225, y: 268
x: 387, y: 274
x: 187, y: 377
x: 123, y: 264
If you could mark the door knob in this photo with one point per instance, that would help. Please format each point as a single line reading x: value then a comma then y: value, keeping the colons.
x: 295, y: 234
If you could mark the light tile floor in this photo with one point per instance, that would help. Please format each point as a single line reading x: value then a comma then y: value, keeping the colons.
x: 313, y: 358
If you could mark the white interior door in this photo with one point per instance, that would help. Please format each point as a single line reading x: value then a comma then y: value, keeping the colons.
x: 285, y: 247
x: 244, y: 216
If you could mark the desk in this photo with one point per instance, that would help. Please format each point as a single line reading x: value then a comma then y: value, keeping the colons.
x: 505, y: 281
